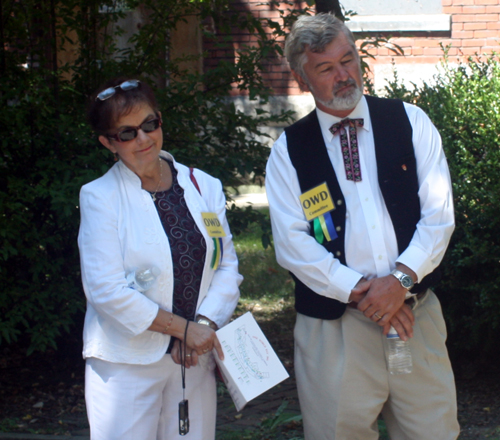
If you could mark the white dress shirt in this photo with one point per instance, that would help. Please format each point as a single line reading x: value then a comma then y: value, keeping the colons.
x: 121, y: 231
x: 370, y: 241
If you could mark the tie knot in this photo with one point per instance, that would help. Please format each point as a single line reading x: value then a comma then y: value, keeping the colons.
x: 335, y: 128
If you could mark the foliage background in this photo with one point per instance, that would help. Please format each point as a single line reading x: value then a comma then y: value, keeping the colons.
x: 47, y: 151
x: 464, y: 104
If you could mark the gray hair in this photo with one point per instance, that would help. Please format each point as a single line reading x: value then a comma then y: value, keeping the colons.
x: 313, y: 32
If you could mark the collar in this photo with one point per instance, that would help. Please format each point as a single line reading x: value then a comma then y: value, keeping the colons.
x: 326, y: 120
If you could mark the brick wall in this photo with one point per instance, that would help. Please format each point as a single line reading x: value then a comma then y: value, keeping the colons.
x: 475, y: 28
x: 276, y: 73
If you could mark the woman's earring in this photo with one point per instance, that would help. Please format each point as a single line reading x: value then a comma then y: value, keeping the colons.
x: 116, y: 157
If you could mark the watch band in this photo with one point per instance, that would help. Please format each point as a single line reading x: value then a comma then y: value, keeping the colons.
x: 206, y: 321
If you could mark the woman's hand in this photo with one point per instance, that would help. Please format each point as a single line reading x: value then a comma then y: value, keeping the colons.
x: 191, y: 355
x: 202, y: 339
x: 205, y: 361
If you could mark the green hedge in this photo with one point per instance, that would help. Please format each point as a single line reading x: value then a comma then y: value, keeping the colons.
x: 47, y: 151
x: 464, y: 104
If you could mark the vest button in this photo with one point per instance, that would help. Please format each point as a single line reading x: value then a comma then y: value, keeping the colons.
x: 338, y: 228
x: 339, y: 202
x: 338, y: 253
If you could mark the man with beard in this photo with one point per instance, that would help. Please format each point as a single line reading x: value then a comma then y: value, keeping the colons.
x: 362, y: 212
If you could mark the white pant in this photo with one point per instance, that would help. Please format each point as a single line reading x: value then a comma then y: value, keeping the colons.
x: 344, y: 385
x: 140, y: 402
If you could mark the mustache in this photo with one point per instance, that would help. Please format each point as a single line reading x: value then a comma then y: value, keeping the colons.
x: 342, y: 84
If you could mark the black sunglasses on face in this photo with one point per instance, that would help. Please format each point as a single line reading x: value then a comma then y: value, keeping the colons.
x: 131, y: 133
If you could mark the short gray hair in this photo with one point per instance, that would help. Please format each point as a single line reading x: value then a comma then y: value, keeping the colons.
x: 313, y: 32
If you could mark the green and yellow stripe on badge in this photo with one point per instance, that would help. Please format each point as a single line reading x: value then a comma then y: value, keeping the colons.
x: 324, y: 228
x: 218, y: 253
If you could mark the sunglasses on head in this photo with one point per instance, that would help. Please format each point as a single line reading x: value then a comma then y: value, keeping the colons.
x: 125, y: 86
x: 131, y: 133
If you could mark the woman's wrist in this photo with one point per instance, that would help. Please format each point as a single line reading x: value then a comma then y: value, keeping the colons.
x: 169, y: 323
x: 167, y: 327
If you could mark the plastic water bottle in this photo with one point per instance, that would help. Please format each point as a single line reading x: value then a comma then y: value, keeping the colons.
x: 399, y: 354
x: 143, y: 279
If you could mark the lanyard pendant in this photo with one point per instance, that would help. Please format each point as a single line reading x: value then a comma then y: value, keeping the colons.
x: 183, y: 417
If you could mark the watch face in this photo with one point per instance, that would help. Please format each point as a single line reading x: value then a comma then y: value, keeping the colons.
x: 407, y: 282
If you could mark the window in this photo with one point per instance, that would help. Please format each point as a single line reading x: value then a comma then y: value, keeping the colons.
x: 400, y: 16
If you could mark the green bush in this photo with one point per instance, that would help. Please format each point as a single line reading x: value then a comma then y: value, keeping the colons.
x: 48, y: 152
x: 464, y: 104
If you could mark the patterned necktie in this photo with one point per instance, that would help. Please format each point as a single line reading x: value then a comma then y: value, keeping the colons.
x: 350, y: 151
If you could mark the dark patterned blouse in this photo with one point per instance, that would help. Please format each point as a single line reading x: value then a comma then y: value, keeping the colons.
x: 187, y: 245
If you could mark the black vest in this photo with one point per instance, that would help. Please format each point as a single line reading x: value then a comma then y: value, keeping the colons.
x: 397, y: 177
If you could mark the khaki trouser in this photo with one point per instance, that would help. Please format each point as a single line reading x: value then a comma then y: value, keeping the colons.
x: 344, y: 385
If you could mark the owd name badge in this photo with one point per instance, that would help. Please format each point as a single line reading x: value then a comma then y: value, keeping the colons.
x: 316, y: 202
x: 213, y: 225
x: 216, y: 232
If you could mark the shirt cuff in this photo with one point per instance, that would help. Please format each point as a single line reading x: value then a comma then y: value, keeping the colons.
x: 344, y: 280
x: 417, y: 260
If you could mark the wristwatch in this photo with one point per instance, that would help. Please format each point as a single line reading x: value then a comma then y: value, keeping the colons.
x: 206, y: 321
x: 405, y: 280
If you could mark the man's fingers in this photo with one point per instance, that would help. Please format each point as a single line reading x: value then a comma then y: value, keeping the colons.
x: 355, y: 298
x: 363, y: 304
x: 372, y: 312
x: 359, y: 291
x: 385, y: 319
x: 408, y: 312
x: 401, y: 329
x: 403, y: 322
x: 362, y: 287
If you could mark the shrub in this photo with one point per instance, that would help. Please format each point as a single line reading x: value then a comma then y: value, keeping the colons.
x: 48, y: 152
x: 464, y: 104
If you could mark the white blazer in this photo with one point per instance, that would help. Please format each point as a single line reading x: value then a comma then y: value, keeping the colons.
x: 121, y: 231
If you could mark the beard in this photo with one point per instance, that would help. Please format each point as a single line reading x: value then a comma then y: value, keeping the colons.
x: 345, y: 102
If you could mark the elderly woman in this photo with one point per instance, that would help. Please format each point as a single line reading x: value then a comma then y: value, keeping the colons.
x: 148, y: 213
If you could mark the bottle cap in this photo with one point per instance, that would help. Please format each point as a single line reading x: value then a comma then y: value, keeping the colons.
x: 392, y: 333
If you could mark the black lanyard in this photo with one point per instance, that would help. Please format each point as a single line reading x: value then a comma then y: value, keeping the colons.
x: 183, y: 405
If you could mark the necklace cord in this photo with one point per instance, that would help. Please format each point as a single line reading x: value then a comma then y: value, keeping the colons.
x: 159, y: 182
